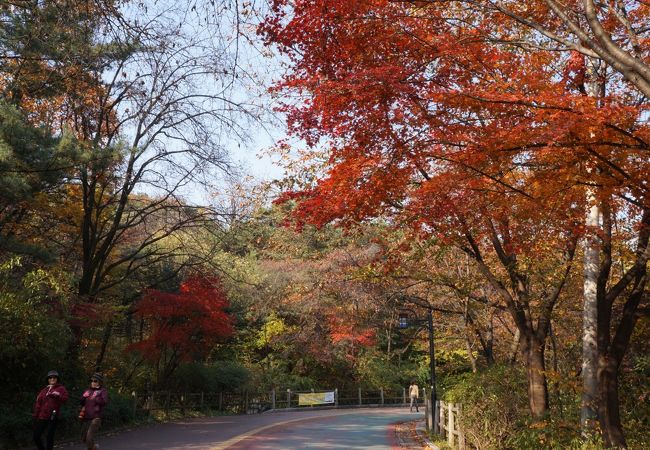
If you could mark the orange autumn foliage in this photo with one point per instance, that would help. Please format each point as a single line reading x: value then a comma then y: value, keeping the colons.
x: 427, y: 121
x: 462, y: 124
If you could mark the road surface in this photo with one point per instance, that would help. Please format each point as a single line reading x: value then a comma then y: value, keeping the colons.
x: 368, y: 429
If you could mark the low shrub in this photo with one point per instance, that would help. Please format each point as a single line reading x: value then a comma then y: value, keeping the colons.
x: 495, y: 412
x: 220, y: 376
x: 493, y: 402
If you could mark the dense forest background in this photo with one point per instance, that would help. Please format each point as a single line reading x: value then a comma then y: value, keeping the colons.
x: 426, y: 180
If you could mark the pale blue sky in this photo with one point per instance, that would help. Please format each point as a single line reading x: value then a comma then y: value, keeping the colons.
x: 249, y: 146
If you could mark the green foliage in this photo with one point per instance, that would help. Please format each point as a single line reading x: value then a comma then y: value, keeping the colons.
x: 119, y: 410
x: 33, y: 337
x: 635, y: 389
x: 454, y: 361
x: 495, y: 412
x: 16, y: 419
x: 276, y: 372
x: 278, y: 377
x: 219, y: 376
x: 229, y: 375
x: 493, y: 403
x: 31, y: 162
x: 377, y: 371
x: 552, y: 434
x: 64, y: 34
x: 273, y: 327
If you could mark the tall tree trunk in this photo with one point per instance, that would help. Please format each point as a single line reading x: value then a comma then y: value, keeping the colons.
x: 609, y: 412
x: 73, y: 352
x: 537, y: 386
x: 612, y: 356
x: 389, y: 339
x: 518, y: 304
x: 589, y: 407
x: 514, y: 347
x: 557, y: 398
x: 595, y: 88
x: 470, y: 353
x: 468, y: 343
x: 102, y: 351
x: 489, y: 341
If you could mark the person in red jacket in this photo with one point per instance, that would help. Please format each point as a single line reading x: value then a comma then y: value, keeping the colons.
x: 47, y: 410
x: 92, y: 402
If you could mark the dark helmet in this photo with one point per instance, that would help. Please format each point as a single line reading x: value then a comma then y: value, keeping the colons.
x: 53, y: 373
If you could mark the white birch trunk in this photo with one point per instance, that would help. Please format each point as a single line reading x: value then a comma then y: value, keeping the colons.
x: 588, y: 413
x: 589, y: 408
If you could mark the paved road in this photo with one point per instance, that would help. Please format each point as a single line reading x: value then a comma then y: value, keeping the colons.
x: 327, y: 429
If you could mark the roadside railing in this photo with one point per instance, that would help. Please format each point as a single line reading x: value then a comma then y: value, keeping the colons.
x: 167, y: 402
x: 346, y: 397
x: 446, y: 424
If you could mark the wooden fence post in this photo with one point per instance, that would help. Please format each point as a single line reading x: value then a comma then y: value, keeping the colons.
x: 461, y: 435
x: 427, y: 407
x: 381, y: 393
x: 423, y: 391
x: 427, y: 421
x: 450, y: 426
x: 273, y: 398
x: 135, y: 404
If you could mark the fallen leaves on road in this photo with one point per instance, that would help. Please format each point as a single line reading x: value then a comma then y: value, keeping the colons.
x: 407, y: 436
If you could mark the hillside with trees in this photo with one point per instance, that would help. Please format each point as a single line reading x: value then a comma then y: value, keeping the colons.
x: 483, y: 162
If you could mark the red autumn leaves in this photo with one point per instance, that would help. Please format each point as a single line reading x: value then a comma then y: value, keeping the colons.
x: 187, y: 323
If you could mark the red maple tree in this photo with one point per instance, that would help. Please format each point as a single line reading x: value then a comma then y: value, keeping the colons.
x: 485, y: 144
x: 184, y: 325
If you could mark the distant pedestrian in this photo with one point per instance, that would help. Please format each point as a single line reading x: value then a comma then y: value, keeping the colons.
x: 92, y: 402
x: 47, y: 410
x: 414, y: 394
